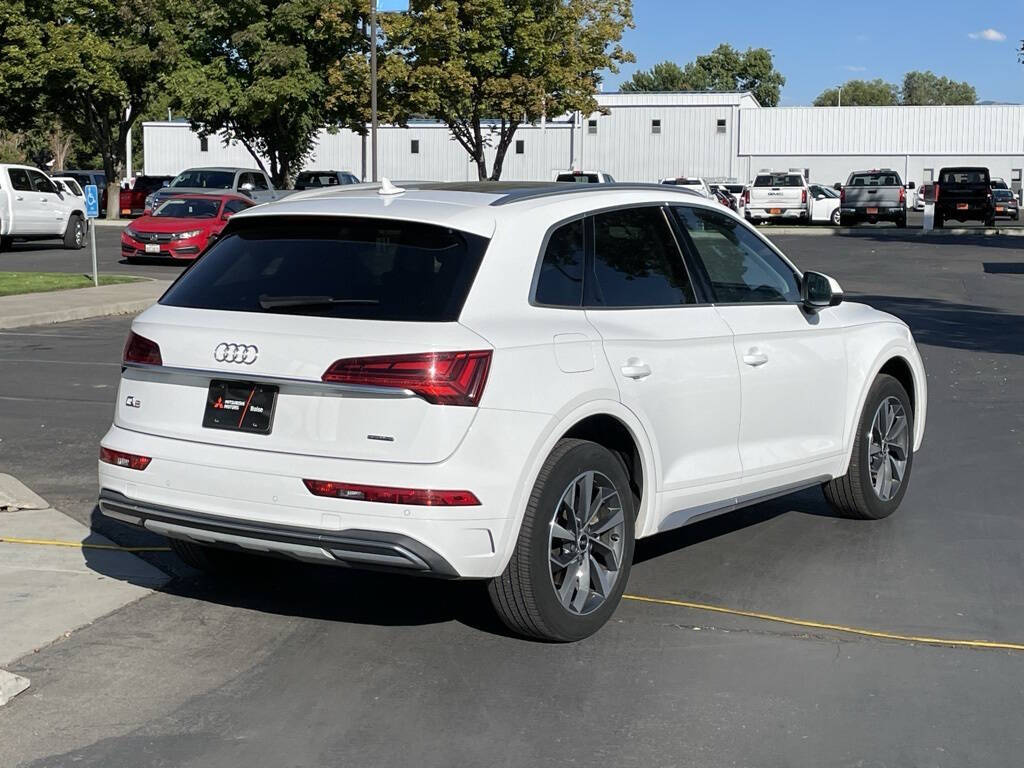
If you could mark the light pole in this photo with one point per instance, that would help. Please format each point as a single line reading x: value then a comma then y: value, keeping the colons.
x: 839, y: 102
x: 373, y: 87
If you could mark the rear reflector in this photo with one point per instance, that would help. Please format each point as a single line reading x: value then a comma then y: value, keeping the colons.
x: 443, y: 378
x: 139, y: 349
x: 120, y: 459
x: 385, y: 495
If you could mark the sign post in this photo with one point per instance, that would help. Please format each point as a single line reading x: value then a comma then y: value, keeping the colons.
x: 92, y: 211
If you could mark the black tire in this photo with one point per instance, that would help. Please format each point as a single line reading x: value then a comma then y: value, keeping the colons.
x: 5, y: 243
x: 990, y: 222
x: 937, y: 222
x: 901, y: 222
x: 837, y: 218
x: 210, y: 560
x: 852, y: 495
x: 524, y: 595
x: 74, y: 235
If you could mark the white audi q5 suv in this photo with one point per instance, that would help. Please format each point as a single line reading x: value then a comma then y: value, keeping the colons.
x: 509, y: 382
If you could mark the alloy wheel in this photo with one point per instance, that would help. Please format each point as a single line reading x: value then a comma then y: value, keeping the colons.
x: 888, y: 448
x: 586, y: 543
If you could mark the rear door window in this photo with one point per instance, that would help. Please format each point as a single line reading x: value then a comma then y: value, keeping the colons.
x: 882, y: 179
x: 778, y: 180
x: 560, y: 283
x: 636, y: 261
x: 375, y: 269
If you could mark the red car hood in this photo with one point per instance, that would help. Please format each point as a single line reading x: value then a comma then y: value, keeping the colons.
x: 167, y: 224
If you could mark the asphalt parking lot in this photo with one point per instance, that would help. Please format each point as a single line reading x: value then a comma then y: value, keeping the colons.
x: 300, y: 666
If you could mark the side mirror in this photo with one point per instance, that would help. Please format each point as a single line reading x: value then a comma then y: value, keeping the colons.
x: 837, y: 186
x: 819, y: 291
x: 911, y: 185
x: 819, y: 197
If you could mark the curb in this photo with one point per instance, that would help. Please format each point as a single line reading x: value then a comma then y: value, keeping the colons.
x: 893, y: 233
x: 79, y: 303
x: 119, y: 223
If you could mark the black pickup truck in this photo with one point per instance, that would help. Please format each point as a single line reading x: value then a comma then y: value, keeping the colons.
x: 964, y: 194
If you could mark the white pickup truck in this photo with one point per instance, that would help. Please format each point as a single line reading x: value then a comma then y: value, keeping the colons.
x: 777, y: 195
x: 33, y: 208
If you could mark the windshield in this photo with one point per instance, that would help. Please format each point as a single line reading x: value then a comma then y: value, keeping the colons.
x: 313, y: 179
x: 779, y: 180
x: 375, y: 269
x: 874, y: 179
x: 1002, y: 194
x: 188, y: 208
x: 205, y: 179
x: 72, y: 186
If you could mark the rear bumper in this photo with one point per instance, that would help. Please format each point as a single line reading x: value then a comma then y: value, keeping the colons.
x: 885, y: 213
x: 784, y: 213
x: 167, y: 251
x: 352, y: 547
x: 247, y: 487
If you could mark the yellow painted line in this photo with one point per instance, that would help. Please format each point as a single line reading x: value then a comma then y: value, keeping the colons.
x: 81, y: 545
x: 830, y: 627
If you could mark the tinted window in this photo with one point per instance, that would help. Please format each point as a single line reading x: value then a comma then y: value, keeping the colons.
x: 19, y: 179
x: 882, y: 179
x: 1002, y: 194
x: 579, y: 178
x: 560, y: 282
x: 740, y: 266
x: 260, y: 181
x: 779, y: 180
x: 954, y: 176
x: 234, y: 206
x: 40, y: 182
x: 188, y: 208
x: 376, y: 269
x: 636, y: 261
x: 348, y: 178
x: 199, y: 179
x: 309, y: 179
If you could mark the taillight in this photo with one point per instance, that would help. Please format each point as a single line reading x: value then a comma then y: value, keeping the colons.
x: 935, y: 193
x: 746, y: 197
x: 842, y: 194
x: 442, y: 378
x: 903, y: 195
x: 121, y: 459
x: 139, y: 349
x: 803, y: 196
x: 387, y: 495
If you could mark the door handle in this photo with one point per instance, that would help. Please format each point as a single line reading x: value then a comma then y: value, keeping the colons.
x: 634, y: 369
x: 19, y: 197
x: 755, y: 358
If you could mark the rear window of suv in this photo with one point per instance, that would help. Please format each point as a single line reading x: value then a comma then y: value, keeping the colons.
x: 779, y: 180
x: 374, y: 269
x: 955, y: 176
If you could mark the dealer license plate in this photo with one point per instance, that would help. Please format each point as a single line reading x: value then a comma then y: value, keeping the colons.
x: 774, y: 211
x: 872, y: 210
x: 240, y: 406
x: 961, y: 206
x: 152, y: 248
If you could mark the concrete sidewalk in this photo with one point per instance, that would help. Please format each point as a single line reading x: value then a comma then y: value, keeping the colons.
x: 48, y: 590
x: 79, y: 303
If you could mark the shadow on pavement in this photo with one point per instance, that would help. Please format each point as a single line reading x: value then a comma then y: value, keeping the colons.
x: 959, y: 326
x: 1004, y: 268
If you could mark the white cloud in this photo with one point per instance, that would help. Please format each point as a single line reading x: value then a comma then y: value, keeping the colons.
x: 994, y: 35
x: 852, y: 68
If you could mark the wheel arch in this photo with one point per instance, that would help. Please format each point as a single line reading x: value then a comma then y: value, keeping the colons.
x: 608, y: 423
x: 904, y: 364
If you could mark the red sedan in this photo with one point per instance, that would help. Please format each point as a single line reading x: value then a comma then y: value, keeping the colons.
x: 181, y: 227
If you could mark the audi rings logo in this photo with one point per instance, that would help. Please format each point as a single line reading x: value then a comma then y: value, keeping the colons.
x: 244, y: 354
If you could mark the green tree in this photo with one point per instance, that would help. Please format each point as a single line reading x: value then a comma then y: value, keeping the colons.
x: 861, y: 93
x: 506, y: 62
x: 271, y: 74
x: 102, y: 63
x: 724, y: 69
x: 664, y: 77
x: 926, y: 88
x: 21, y: 76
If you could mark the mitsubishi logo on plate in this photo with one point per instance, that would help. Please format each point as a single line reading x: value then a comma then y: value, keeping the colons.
x: 235, y: 353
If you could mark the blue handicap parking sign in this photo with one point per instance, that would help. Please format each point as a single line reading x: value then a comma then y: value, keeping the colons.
x: 92, y: 201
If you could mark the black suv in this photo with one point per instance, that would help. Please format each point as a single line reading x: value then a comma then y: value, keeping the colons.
x: 964, y: 194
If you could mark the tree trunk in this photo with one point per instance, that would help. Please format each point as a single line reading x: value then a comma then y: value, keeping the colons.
x: 508, y: 131
x: 113, y: 166
x: 478, y: 151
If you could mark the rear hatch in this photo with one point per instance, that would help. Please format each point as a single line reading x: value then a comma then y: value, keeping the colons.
x: 778, y: 192
x: 264, y: 317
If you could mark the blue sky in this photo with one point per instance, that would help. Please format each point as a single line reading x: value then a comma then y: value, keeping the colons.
x: 819, y: 44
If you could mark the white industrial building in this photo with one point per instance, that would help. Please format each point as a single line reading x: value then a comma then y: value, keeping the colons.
x: 648, y: 136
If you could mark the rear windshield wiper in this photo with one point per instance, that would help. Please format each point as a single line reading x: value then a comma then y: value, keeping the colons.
x: 281, y: 302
